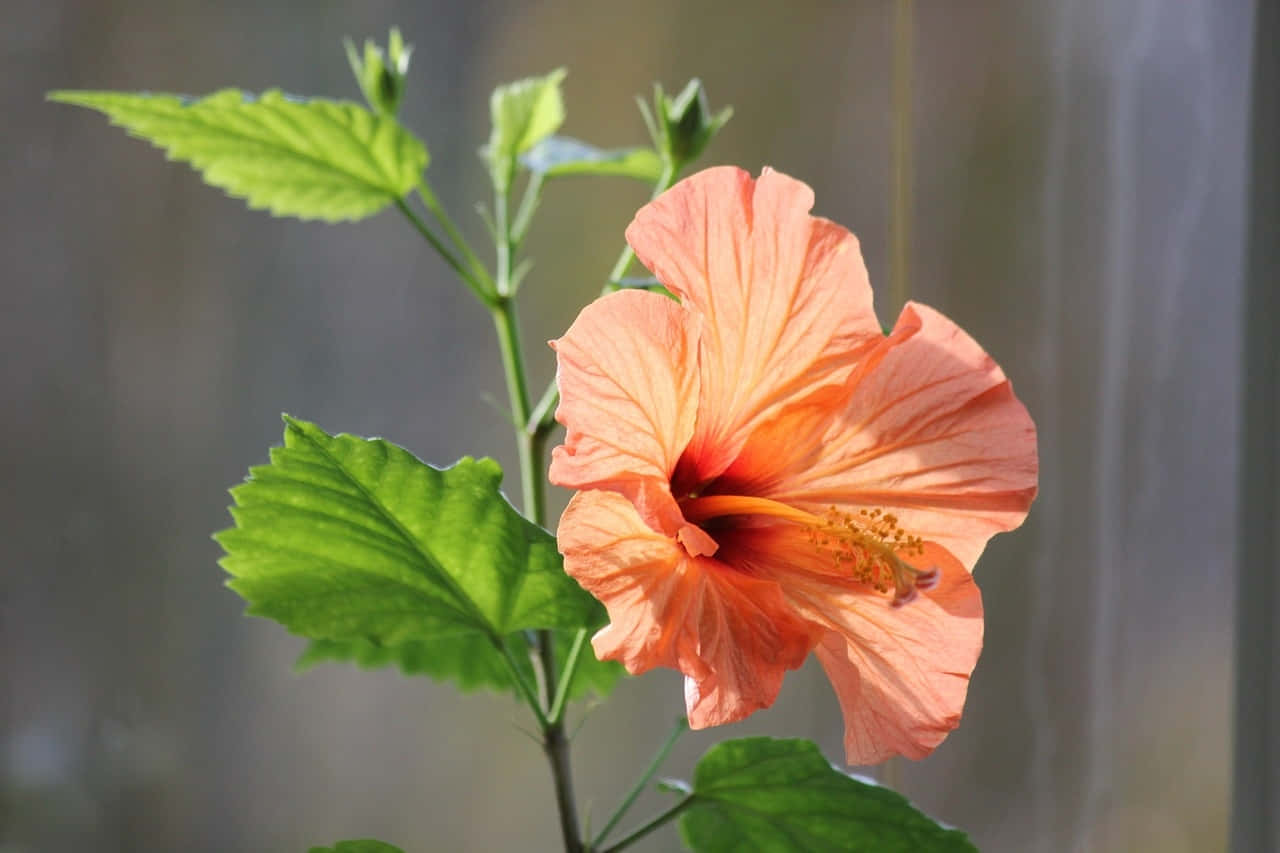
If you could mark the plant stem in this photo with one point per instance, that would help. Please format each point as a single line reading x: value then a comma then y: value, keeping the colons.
x: 528, y: 206
x: 526, y: 692
x: 544, y: 418
x: 433, y: 205
x: 649, y: 827
x: 479, y: 286
x: 682, y: 726
x: 900, y: 209
x: 556, y: 713
x: 531, y: 451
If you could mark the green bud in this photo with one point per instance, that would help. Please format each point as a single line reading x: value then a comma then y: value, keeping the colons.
x: 381, y: 76
x: 685, y: 124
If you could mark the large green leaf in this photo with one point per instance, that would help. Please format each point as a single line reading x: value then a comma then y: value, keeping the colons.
x: 561, y: 156
x: 760, y: 795
x: 363, y: 845
x: 314, y: 159
x: 356, y: 543
x: 523, y: 114
x: 467, y: 659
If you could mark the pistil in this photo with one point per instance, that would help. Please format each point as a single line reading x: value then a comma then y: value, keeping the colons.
x: 869, y: 544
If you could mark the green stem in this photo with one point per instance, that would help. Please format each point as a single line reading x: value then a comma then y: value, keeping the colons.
x: 502, y: 236
x: 433, y: 205
x: 479, y: 286
x: 546, y: 411
x: 528, y: 206
x: 682, y: 726
x: 530, y: 451
x: 543, y: 416
x: 526, y: 691
x: 530, y: 447
x: 566, y: 676
x: 649, y: 827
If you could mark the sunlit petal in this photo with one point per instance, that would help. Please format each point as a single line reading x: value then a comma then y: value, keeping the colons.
x: 784, y: 298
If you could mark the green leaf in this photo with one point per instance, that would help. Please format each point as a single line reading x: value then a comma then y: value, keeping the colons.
x: 314, y: 159
x: 363, y: 845
x: 762, y: 795
x: 558, y: 156
x: 523, y: 113
x: 356, y: 543
x: 466, y: 659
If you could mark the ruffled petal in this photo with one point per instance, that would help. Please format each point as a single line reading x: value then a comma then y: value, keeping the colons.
x: 931, y: 431
x: 901, y: 673
x: 628, y: 377
x: 784, y: 298
x: 732, y: 635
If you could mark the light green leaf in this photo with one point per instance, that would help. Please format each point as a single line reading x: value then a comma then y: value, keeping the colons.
x: 558, y: 156
x: 356, y: 541
x: 314, y: 159
x: 760, y: 795
x: 523, y: 113
x: 363, y: 845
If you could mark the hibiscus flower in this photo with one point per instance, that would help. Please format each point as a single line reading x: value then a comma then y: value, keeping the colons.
x: 763, y: 473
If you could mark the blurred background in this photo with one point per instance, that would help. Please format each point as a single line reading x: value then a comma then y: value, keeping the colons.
x: 1079, y: 205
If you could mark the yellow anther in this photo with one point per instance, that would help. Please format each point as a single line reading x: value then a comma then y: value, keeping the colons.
x: 870, y: 544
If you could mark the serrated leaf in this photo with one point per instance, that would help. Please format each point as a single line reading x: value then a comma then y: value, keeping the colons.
x: 561, y: 156
x: 761, y: 795
x: 468, y: 660
x: 523, y: 114
x: 313, y: 159
x: 363, y: 845
x: 356, y: 541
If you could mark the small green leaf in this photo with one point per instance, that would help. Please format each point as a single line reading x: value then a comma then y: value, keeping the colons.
x: 356, y: 543
x: 523, y: 113
x: 363, y: 845
x: 558, y: 156
x: 314, y: 159
x: 781, y: 796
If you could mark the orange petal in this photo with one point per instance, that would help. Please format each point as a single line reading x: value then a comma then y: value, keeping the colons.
x: 732, y: 635
x: 901, y: 673
x: 932, y: 432
x: 784, y: 297
x: 627, y: 371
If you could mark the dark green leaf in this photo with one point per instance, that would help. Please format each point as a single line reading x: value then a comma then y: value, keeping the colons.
x: 314, y: 159
x: 466, y: 659
x: 363, y: 845
x: 559, y: 156
x: 760, y: 795
x: 355, y: 543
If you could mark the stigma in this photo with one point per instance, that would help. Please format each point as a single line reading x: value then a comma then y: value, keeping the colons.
x: 870, y: 545
x: 873, y: 547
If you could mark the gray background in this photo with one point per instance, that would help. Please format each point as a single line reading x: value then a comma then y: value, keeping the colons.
x: 1080, y: 175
